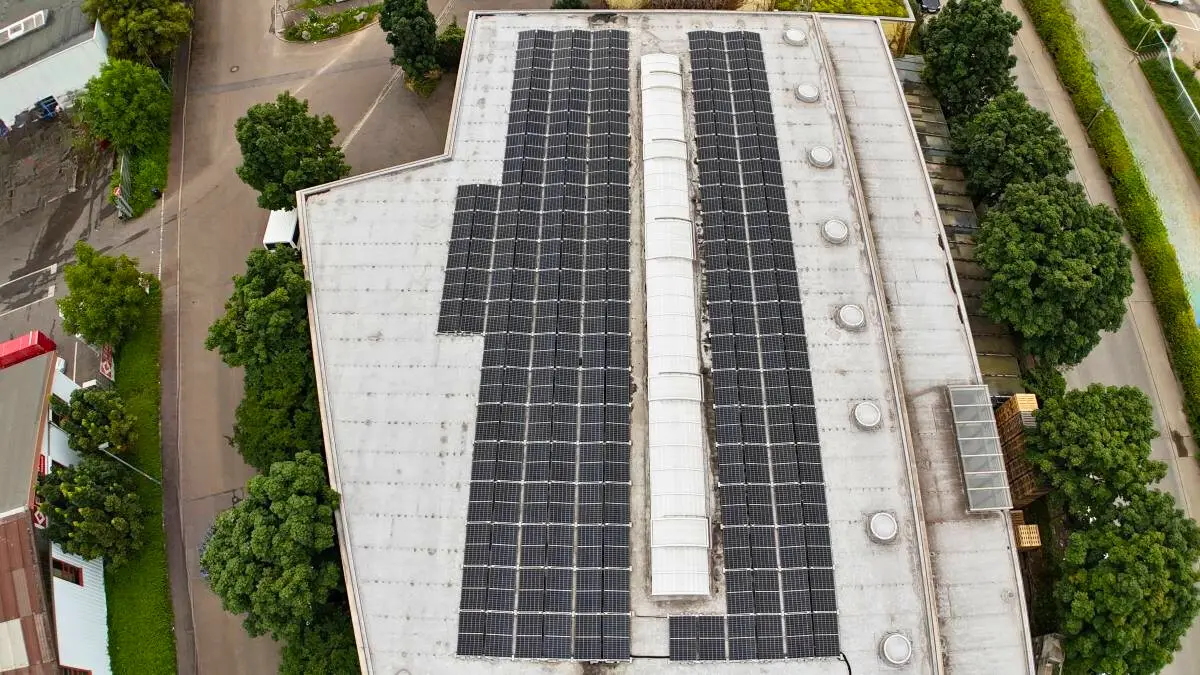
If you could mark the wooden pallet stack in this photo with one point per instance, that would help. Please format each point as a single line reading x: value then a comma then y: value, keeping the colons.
x: 1012, y: 419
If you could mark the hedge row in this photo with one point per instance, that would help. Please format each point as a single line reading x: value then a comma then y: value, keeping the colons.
x: 1171, y: 102
x: 1136, y: 204
x: 1137, y: 30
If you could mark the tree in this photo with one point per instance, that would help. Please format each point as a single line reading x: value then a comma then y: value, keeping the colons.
x: 412, y: 33
x: 96, y: 417
x: 967, y: 54
x: 273, y: 555
x: 278, y: 416
x: 284, y: 149
x: 141, y: 30
x: 127, y: 105
x: 1045, y: 382
x: 569, y: 4
x: 92, y: 510
x: 450, y: 45
x: 326, y: 647
x: 1093, y: 446
x: 268, y: 312
x: 106, y: 296
x: 1009, y: 141
x: 1127, y: 588
x: 1059, y: 270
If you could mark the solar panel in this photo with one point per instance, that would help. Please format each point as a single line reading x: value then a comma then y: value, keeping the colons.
x: 984, y: 476
x: 539, y: 265
x: 772, y: 496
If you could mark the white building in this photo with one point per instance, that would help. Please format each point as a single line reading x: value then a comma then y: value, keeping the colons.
x: 64, y: 630
x: 47, y: 48
x: 572, y: 405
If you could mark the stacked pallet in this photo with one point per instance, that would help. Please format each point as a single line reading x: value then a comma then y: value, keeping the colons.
x: 1012, y: 419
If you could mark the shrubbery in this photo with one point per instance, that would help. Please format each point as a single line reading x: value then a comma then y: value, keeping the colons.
x: 1178, y: 112
x: 1138, y: 31
x: 450, y: 45
x: 1135, y: 202
x: 319, y: 26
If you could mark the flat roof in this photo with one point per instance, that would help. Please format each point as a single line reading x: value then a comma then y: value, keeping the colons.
x: 24, y: 398
x: 66, y: 25
x: 399, y: 399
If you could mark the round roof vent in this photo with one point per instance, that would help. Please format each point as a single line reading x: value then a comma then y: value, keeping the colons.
x: 820, y: 156
x: 851, y: 317
x: 882, y: 527
x: 895, y: 649
x: 867, y: 416
x: 795, y: 37
x: 835, y: 231
x: 809, y: 93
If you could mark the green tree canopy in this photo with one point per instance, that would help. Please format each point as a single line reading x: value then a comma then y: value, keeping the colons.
x: 1009, y: 141
x: 106, y: 296
x: 268, y: 312
x: 1059, y: 270
x: 450, y: 45
x: 127, y: 105
x: 92, y: 510
x: 967, y: 54
x: 1127, y: 588
x: 412, y: 33
x: 141, y: 30
x: 1093, y: 446
x: 1045, y: 382
x: 95, y: 417
x: 284, y: 149
x: 326, y: 647
x: 278, y: 416
x: 272, y: 556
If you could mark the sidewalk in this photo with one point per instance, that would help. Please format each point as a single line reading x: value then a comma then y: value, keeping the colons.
x: 1136, y: 354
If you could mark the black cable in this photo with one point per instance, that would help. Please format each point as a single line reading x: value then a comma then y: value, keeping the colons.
x: 843, y: 659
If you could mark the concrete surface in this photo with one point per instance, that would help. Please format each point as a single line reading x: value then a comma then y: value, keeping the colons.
x: 209, y: 222
x: 1136, y: 354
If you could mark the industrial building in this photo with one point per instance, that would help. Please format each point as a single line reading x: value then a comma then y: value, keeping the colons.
x: 48, y: 49
x: 663, y: 363
x: 53, y: 611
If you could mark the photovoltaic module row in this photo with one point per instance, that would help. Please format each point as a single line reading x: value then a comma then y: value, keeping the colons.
x: 775, y: 526
x: 540, y: 266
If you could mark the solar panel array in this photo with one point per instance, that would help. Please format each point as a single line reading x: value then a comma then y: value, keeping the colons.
x: 778, y: 566
x: 540, y: 266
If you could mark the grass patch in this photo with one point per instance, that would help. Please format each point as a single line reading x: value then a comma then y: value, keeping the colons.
x: 1158, y: 74
x: 147, y: 171
x: 141, y: 633
x: 1135, y: 202
x: 859, y: 7
x: 1138, y: 31
x: 325, y: 27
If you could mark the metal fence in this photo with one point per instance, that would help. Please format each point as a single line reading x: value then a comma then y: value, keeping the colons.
x: 1182, y: 96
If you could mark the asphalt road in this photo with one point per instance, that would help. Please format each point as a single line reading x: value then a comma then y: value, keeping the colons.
x: 1136, y: 353
x: 209, y: 222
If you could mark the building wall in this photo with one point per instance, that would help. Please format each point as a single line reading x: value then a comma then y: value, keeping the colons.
x: 56, y: 75
x: 81, y: 616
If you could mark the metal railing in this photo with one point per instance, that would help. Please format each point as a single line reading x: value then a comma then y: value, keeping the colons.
x: 1182, y: 96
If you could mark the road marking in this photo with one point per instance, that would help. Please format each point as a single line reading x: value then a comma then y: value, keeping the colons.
x: 49, y: 295
x: 52, y: 269
x: 332, y: 62
x: 378, y: 99
x: 1192, y: 27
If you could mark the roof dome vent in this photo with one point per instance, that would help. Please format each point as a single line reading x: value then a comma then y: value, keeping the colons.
x: 895, y: 649
x: 867, y: 416
x: 882, y: 527
x: 820, y: 157
x: 795, y: 37
x: 851, y: 317
x: 809, y: 93
x: 835, y: 231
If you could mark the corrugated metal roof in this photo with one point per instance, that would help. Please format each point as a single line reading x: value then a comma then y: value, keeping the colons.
x: 24, y: 395
x: 22, y: 599
x: 81, y: 616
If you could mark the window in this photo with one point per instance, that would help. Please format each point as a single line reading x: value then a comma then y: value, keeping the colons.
x: 67, y: 572
x: 68, y: 670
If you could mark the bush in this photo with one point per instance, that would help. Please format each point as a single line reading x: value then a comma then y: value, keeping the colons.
x: 450, y: 44
x: 1158, y: 74
x: 1138, y: 31
x: 93, y: 510
x: 1045, y: 382
x: 714, y: 5
x: 567, y: 4
x: 859, y: 7
x: 324, y: 27
x: 1135, y: 202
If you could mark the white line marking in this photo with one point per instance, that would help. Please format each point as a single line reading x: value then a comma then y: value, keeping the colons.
x: 332, y: 62
x: 48, y: 268
x: 75, y: 362
x: 27, y: 305
x: 358, y: 126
